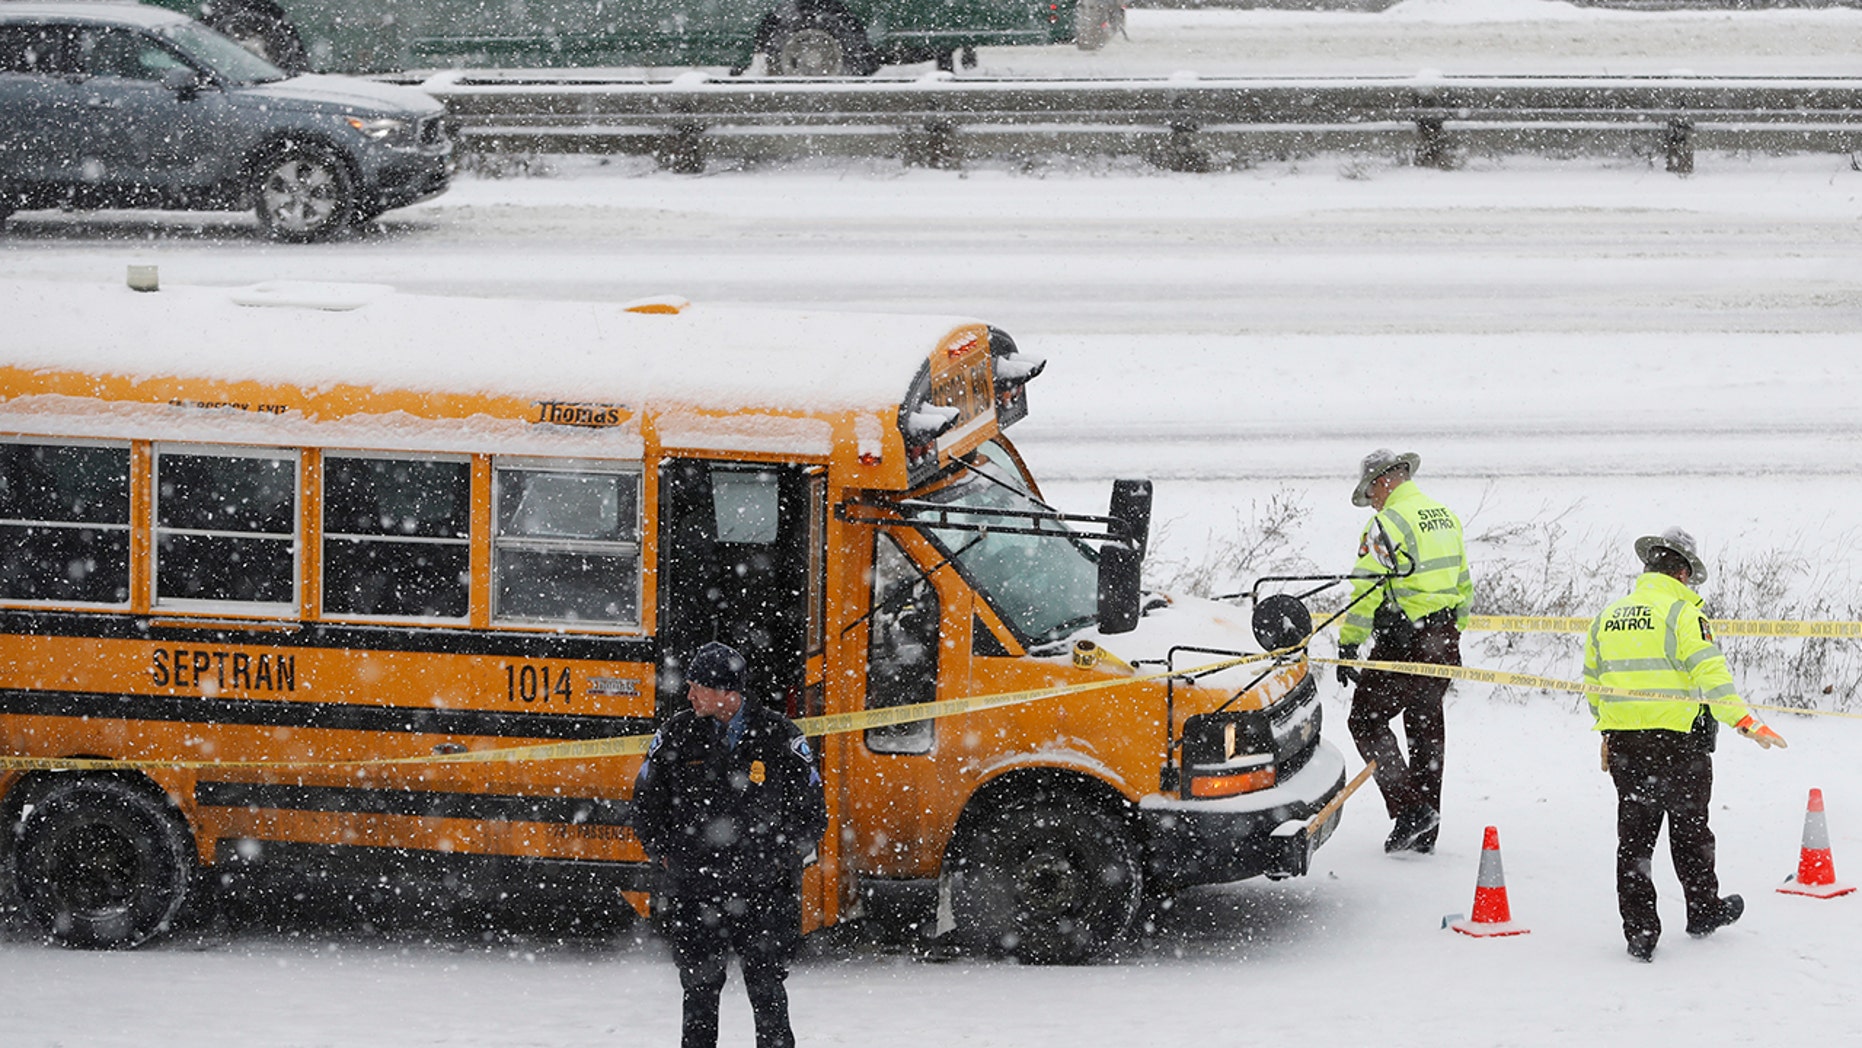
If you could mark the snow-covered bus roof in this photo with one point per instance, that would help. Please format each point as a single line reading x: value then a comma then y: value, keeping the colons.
x: 319, y: 335
x: 408, y: 366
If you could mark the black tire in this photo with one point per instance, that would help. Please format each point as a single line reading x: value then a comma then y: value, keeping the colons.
x: 103, y: 865
x: 819, y: 43
x: 304, y: 192
x: 1048, y: 878
x: 264, y: 33
x: 1096, y: 22
x: 368, y: 213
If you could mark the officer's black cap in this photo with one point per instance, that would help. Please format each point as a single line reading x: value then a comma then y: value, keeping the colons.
x: 717, y: 666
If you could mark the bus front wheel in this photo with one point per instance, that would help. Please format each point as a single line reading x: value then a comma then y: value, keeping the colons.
x: 1048, y: 878
x: 103, y: 864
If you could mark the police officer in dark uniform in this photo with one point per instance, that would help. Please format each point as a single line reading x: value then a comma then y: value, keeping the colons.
x: 729, y: 804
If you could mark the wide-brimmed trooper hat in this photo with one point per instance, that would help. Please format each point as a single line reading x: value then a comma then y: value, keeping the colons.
x: 1375, y: 465
x: 1680, y: 543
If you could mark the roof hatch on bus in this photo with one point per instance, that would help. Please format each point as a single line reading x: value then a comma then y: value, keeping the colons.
x: 945, y: 412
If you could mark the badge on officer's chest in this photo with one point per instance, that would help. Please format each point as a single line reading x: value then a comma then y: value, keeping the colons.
x: 756, y: 772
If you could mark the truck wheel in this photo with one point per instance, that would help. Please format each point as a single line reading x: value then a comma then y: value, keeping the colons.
x: 304, y: 192
x: 102, y: 864
x: 1095, y: 22
x: 819, y: 44
x: 1049, y: 879
x: 263, y: 33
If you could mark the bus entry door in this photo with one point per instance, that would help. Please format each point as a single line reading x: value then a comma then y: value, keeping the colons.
x: 741, y: 560
x: 735, y: 544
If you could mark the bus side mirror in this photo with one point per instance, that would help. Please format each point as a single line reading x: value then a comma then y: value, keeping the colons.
x: 1281, y: 621
x: 1121, y: 564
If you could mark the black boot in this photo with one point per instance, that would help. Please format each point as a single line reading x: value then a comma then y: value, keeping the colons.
x: 1731, y: 909
x: 1411, y: 825
x: 1642, y: 947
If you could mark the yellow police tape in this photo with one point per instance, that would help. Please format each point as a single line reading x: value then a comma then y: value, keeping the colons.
x: 1538, y: 683
x: 633, y: 745
x: 1721, y: 627
x: 840, y: 723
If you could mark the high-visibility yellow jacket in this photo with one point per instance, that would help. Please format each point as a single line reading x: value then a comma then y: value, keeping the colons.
x: 1413, y: 533
x: 1655, y: 639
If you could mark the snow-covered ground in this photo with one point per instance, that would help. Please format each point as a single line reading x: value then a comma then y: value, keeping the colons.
x: 1598, y: 344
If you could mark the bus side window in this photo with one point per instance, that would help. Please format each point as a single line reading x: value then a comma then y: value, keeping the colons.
x: 226, y: 526
x: 567, y: 547
x: 901, y: 648
x: 64, y: 523
x: 396, y: 536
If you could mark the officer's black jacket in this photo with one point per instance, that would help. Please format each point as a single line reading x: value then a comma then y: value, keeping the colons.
x: 722, y: 818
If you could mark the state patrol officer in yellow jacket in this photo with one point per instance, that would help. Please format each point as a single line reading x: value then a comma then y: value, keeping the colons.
x: 1412, y: 553
x: 1659, y: 751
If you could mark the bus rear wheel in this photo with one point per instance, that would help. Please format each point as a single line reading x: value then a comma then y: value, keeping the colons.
x: 1048, y: 879
x: 103, y: 864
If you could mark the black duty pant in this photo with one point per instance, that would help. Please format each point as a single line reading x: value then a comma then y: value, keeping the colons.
x: 1382, y: 697
x: 764, y: 928
x: 1662, y: 774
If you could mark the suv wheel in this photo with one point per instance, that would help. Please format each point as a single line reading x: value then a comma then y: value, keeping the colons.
x: 304, y: 193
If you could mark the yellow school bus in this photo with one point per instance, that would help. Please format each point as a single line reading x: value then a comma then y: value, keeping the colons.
x: 254, y: 539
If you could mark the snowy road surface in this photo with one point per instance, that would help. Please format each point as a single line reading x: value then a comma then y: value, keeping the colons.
x: 1593, y: 348
x: 1354, y: 954
x: 1591, y: 283
x: 1490, y: 37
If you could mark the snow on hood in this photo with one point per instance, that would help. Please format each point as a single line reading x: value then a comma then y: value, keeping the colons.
x: 321, y: 91
x: 1192, y: 621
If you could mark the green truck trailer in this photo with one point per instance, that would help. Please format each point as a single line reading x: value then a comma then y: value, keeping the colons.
x: 796, y: 37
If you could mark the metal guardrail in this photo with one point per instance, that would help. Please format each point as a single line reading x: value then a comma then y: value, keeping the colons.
x: 1183, y: 124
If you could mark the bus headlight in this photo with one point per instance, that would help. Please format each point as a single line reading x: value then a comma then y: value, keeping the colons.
x: 1220, y: 785
x: 1227, y: 753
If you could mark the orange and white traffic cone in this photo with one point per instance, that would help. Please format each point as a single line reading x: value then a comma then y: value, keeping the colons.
x: 1816, y: 869
x: 1492, y: 916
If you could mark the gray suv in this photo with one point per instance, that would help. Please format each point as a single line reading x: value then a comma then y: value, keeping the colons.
x: 118, y: 105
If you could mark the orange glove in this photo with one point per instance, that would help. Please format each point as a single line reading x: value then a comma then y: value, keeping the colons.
x: 1752, y: 729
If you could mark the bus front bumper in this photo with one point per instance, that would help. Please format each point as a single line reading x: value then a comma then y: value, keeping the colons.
x: 1234, y: 838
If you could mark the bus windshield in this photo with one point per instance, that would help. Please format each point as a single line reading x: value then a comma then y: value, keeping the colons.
x: 1045, y: 587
